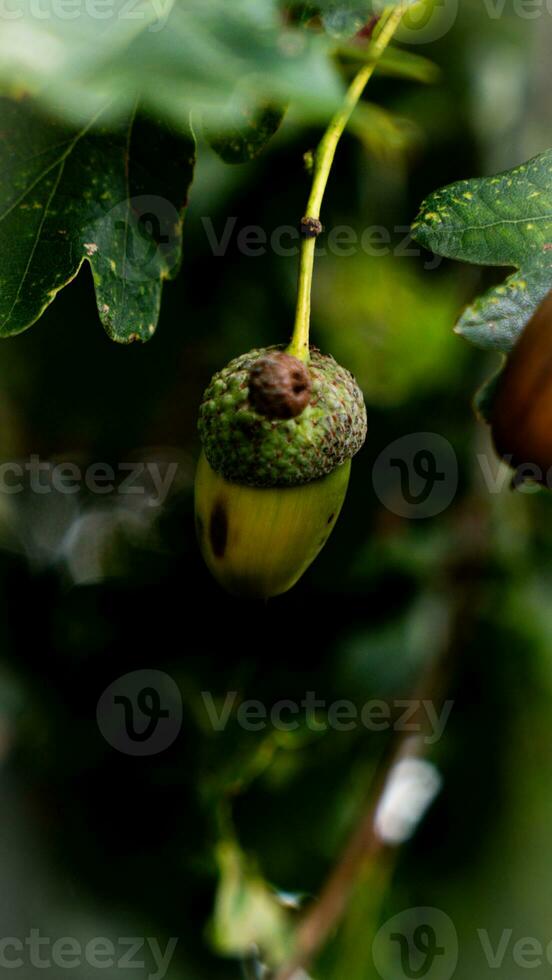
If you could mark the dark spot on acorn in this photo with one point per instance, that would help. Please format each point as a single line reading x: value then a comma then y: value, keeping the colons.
x: 218, y: 529
x: 330, y: 518
x: 279, y: 386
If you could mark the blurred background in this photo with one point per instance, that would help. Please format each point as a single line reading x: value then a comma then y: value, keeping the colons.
x: 209, y: 838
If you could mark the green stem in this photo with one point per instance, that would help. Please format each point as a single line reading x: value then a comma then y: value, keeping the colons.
x: 323, y: 160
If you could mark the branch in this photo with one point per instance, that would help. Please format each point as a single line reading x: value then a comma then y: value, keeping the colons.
x: 366, y: 847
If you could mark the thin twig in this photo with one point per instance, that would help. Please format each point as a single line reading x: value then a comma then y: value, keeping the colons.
x: 365, y: 847
x: 384, y: 27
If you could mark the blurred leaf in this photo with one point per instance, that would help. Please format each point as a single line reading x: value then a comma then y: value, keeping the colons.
x: 383, y: 660
x: 397, y: 325
x: 362, y: 8
x: 384, y: 134
x: 484, y: 397
x: 172, y: 57
x: 247, y: 914
x: 246, y: 133
x: 395, y: 62
x: 347, y: 18
x: 502, y: 221
x: 113, y: 199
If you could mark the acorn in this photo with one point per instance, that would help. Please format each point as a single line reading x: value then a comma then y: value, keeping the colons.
x: 521, y: 409
x: 278, y: 436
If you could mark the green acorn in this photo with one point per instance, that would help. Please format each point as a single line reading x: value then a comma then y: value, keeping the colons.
x: 278, y: 436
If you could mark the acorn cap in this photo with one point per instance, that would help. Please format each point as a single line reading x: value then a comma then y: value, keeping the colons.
x: 268, y: 420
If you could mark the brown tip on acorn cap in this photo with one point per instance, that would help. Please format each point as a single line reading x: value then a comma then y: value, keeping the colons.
x: 279, y: 386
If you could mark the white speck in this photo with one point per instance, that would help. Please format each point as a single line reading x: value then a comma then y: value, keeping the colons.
x: 411, y: 787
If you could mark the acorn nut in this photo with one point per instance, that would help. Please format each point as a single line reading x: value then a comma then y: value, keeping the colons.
x: 278, y: 436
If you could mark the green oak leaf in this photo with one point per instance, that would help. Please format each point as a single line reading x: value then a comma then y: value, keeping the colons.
x: 504, y: 220
x: 172, y: 55
x: 247, y: 913
x: 113, y: 198
x: 244, y: 135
